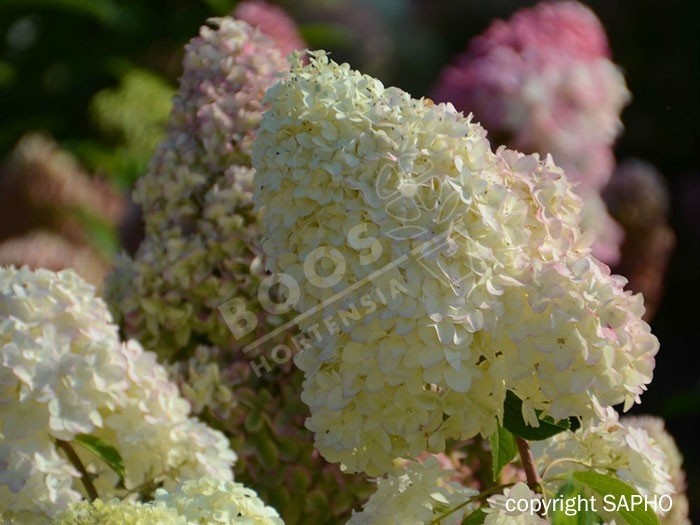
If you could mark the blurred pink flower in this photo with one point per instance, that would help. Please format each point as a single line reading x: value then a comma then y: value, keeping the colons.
x: 273, y: 21
x: 543, y: 82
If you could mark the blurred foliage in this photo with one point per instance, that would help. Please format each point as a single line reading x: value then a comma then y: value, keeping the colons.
x: 132, y: 117
x: 56, y: 55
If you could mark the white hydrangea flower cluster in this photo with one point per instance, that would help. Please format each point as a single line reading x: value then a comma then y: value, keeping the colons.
x: 209, y: 500
x: 501, y: 512
x: 64, y: 372
x: 201, y: 233
x: 656, y: 429
x: 414, y: 494
x: 194, y: 502
x: 119, y: 512
x: 578, y: 341
x: 434, y: 274
x: 609, y: 446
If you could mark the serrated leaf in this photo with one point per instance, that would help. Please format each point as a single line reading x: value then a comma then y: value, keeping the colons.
x: 503, y: 450
x: 104, y: 451
x: 606, y: 486
x: 475, y: 518
x: 513, y: 421
x: 580, y: 514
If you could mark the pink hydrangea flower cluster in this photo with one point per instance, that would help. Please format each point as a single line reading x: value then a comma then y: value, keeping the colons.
x: 273, y: 22
x: 196, y: 196
x: 544, y: 82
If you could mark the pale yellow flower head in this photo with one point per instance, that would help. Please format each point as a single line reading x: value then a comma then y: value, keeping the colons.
x: 433, y: 274
x: 414, y: 494
x: 610, y: 446
x: 193, y: 503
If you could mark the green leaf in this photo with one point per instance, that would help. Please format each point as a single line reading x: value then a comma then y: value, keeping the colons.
x: 267, y: 453
x: 503, y: 450
x: 254, y: 421
x: 475, y: 518
x: 513, y: 421
x: 580, y: 513
x: 624, y: 497
x: 104, y: 451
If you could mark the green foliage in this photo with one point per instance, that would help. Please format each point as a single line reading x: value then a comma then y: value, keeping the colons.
x: 605, y: 485
x: 513, y: 421
x: 475, y: 518
x: 503, y: 450
x: 276, y: 453
x: 56, y: 55
x: 581, y: 515
x: 133, y: 116
x: 104, y: 451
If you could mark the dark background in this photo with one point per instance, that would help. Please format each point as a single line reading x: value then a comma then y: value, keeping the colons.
x: 56, y: 55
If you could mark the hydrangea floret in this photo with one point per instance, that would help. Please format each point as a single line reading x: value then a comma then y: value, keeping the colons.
x: 273, y: 21
x: 442, y: 274
x: 502, y: 511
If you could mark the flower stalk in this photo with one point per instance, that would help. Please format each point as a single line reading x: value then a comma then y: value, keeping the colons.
x: 84, y: 474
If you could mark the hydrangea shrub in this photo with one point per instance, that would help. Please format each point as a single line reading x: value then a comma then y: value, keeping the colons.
x: 448, y: 309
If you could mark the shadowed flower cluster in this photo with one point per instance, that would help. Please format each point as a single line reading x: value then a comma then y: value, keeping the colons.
x: 51, y: 210
x: 201, y: 230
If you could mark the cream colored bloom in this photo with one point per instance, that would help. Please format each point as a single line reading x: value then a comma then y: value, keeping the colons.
x: 434, y: 273
x: 192, y: 503
x: 609, y: 446
x: 64, y: 372
x: 115, y: 512
x: 201, y: 382
x: 655, y: 428
x: 504, y: 508
x: 414, y: 494
x: 211, y: 501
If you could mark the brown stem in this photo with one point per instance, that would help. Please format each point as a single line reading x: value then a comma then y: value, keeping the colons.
x: 533, y: 478
x: 84, y: 475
